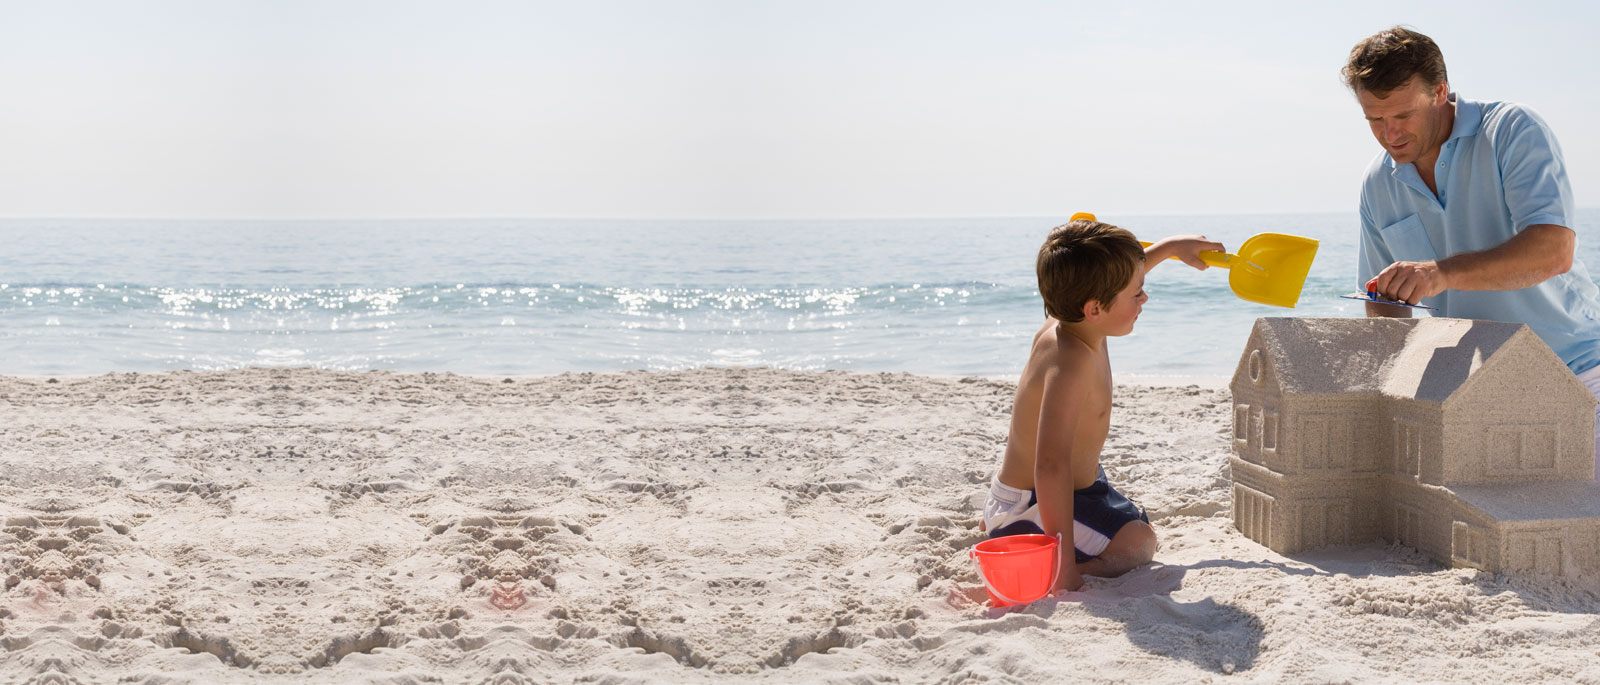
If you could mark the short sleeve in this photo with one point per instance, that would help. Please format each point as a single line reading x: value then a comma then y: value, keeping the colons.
x: 1532, y: 171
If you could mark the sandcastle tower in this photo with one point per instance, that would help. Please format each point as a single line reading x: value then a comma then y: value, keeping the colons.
x: 1467, y: 440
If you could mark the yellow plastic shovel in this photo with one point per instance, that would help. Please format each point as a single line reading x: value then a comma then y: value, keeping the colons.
x: 1270, y: 268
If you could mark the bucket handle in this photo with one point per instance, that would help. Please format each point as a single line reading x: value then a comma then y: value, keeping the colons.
x: 1054, y: 576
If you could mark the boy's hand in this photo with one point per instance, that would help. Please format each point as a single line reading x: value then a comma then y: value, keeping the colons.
x: 1069, y: 579
x: 1186, y: 248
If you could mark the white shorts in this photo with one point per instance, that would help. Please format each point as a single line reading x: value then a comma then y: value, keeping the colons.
x: 1008, y: 505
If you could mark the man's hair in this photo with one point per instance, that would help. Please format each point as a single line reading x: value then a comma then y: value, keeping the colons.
x: 1388, y: 59
x: 1085, y: 260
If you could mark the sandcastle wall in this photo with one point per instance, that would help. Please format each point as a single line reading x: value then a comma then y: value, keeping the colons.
x: 1556, y: 548
x: 1419, y: 516
x: 1293, y: 514
x: 1507, y: 425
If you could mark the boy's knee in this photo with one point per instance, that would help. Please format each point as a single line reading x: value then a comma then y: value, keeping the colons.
x: 1136, y: 542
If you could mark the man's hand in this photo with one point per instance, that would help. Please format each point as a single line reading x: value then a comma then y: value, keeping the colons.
x: 1409, y: 282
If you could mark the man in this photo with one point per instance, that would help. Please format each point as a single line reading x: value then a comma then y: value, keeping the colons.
x: 1468, y: 209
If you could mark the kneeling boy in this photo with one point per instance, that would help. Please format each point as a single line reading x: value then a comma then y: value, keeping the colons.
x: 1091, y: 276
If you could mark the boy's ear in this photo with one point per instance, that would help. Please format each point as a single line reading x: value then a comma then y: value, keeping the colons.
x: 1092, y: 310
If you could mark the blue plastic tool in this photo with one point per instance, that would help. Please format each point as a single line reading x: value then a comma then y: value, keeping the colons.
x: 1372, y: 296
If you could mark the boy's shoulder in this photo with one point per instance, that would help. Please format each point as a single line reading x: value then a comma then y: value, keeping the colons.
x: 1053, y: 348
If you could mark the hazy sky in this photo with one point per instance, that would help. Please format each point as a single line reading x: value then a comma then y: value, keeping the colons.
x: 737, y: 109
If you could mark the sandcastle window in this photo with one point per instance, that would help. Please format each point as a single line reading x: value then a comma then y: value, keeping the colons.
x: 1324, y: 442
x: 1522, y: 448
x: 1241, y: 422
x: 1269, y: 430
x: 1407, y: 525
x: 1255, y: 365
x: 1466, y: 544
x: 1252, y: 513
x: 1407, y: 448
x: 1314, y: 442
x: 1537, y: 551
x: 1324, y: 523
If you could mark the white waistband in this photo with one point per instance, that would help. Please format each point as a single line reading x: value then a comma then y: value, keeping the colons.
x: 1002, y: 491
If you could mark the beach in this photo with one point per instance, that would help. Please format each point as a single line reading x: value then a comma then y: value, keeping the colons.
x: 707, y: 525
x: 632, y: 342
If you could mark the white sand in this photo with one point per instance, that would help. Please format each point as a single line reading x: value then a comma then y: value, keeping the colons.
x: 722, y: 525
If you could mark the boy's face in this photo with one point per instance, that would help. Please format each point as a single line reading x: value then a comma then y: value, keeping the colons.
x: 1124, y: 310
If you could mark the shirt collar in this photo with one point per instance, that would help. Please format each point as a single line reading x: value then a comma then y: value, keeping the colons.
x: 1469, y: 117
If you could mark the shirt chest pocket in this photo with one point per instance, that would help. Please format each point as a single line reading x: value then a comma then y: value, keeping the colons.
x: 1408, y: 241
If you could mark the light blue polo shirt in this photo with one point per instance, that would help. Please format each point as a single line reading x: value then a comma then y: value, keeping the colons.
x: 1500, y: 172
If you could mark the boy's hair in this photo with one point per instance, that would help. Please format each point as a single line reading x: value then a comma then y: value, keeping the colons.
x: 1085, y: 260
x: 1386, y: 60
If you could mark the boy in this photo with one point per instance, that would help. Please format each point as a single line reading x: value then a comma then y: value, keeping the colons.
x: 1091, y: 276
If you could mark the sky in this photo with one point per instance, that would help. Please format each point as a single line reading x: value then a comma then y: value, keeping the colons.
x: 737, y: 109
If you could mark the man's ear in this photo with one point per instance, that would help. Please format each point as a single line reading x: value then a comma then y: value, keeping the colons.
x: 1441, y: 93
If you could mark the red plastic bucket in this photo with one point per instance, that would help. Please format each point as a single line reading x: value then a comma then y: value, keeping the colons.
x: 1017, y: 569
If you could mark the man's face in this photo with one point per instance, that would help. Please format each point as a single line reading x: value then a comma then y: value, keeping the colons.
x: 1407, y: 121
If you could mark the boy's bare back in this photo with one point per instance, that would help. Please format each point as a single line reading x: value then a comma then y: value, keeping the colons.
x: 1064, y: 364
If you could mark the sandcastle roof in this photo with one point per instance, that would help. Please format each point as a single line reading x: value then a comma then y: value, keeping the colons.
x: 1426, y: 359
x: 1534, y: 500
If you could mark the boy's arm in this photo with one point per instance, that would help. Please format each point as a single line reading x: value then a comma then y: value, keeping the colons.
x: 1186, y: 248
x: 1060, y: 405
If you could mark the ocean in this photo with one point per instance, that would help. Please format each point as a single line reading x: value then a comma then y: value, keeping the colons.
x: 515, y: 297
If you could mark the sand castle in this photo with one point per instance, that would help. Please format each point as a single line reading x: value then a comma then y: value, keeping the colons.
x: 1467, y: 440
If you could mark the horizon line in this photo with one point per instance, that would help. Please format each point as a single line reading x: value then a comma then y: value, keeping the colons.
x: 686, y: 219
x: 1063, y: 216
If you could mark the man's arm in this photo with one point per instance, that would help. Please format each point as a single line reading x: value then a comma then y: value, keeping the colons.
x: 1532, y: 256
x: 1065, y: 387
